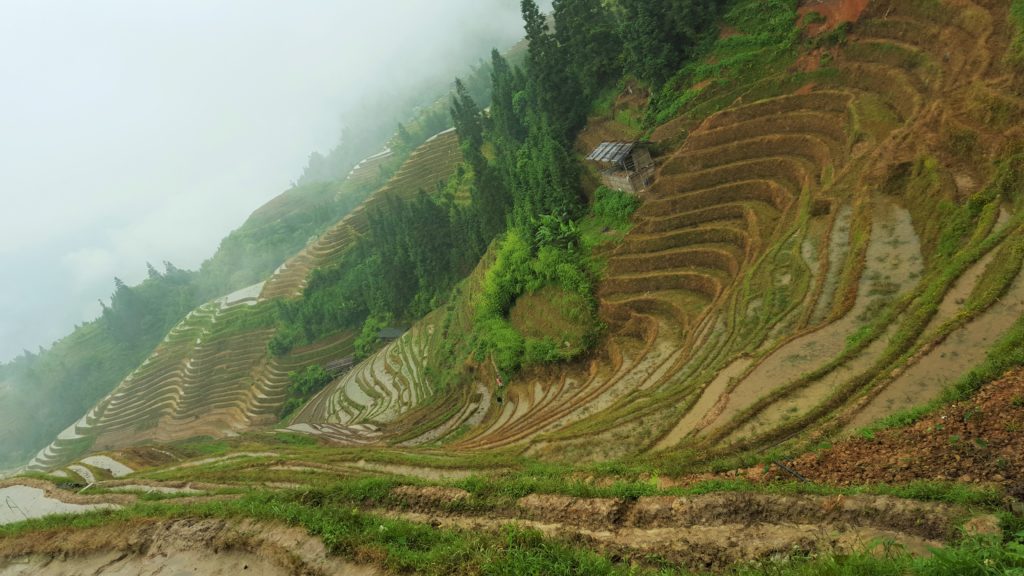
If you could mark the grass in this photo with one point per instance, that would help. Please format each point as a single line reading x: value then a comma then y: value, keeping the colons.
x: 398, y: 546
x: 766, y: 42
x: 1015, y: 54
x: 502, y: 478
x: 974, y: 556
x: 335, y: 515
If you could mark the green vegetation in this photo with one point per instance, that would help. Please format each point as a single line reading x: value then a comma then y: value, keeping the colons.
x: 519, y: 170
x: 399, y: 546
x: 981, y: 556
x: 1016, y: 52
x: 661, y: 36
x: 612, y: 208
x: 336, y: 514
x: 304, y: 385
x: 522, y: 267
x: 764, y: 40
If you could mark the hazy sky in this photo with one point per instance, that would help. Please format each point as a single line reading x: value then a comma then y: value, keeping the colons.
x: 145, y: 130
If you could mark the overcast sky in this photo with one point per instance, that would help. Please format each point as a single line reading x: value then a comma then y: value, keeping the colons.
x: 145, y: 130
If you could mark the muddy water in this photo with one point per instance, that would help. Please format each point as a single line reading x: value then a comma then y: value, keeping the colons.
x: 705, y: 404
x: 954, y: 299
x: 893, y: 266
x: 18, y: 503
x: 838, y: 249
x: 802, y: 401
x: 435, y: 474
x: 956, y: 355
x: 116, y: 469
x: 153, y: 489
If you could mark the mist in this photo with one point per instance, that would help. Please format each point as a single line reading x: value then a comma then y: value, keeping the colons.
x: 135, y: 132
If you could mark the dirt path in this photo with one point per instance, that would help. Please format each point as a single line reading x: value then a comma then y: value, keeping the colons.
x: 214, y: 547
x: 711, y: 531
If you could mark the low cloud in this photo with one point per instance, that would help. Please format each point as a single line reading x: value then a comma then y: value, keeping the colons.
x: 134, y: 132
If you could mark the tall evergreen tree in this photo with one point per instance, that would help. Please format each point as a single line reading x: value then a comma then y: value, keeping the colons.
x: 659, y: 35
x: 586, y: 31
x: 469, y: 125
x: 555, y: 87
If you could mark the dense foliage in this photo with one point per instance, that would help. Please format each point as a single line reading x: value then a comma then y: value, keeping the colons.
x: 662, y: 35
x: 520, y: 174
x: 42, y: 393
x: 304, y: 385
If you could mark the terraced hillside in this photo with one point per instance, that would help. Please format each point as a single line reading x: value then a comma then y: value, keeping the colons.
x: 212, y: 375
x: 807, y: 262
x: 369, y: 169
x: 834, y: 243
x: 198, y: 380
x: 352, y: 408
x: 433, y: 162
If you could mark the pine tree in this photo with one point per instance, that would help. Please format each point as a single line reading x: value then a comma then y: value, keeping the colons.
x: 659, y: 35
x: 554, y: 86
x: 586, y: 31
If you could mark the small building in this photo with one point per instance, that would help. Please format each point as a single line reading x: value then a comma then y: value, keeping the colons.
x: 625, y: 166
x: 389, y: 334
x: 340, y: 365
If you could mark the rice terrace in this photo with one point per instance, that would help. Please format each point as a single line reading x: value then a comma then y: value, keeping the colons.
x: 666, y: 287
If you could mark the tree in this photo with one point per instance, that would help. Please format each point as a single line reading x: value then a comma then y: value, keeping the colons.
x: 586, y: 31
x: 555, y: 87
x: 660, y: 35
x: 468, y: 120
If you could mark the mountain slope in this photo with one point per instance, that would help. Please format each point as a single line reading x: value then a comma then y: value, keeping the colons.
x: 213, y: 375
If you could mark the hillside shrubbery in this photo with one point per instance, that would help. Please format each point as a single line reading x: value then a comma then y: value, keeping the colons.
x: 525, y: 267
x: 304, y: 385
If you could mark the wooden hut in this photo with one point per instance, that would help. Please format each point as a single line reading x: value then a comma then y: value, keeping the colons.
x: 625, y: 166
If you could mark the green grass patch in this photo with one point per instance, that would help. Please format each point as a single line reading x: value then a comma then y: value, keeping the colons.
x: 1016, y: 52
x: 765, y: 42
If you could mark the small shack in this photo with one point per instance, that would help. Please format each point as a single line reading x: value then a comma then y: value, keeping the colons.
x: 340, y: 365
x: 625, y: 166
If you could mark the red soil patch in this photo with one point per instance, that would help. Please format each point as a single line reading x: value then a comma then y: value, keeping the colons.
x: 701, y: 85
x: 835, y: 12
x: 978, y: 441
x: 809, y: 62
x: 806, y: 88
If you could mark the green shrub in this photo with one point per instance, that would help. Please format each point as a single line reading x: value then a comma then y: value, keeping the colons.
x: 612, y: 208
x: 304, y: 384
x: 366, y: 342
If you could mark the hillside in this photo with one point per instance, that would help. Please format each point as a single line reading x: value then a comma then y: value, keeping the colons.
x: 797, y: 351
x: 213, y: 374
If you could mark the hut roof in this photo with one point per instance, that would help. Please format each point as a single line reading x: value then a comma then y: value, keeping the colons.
x: 612, y: 152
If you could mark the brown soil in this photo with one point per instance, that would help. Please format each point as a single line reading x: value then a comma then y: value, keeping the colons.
x: 725, y: 32
x: 711, y: 531
x: 67, y: 496
x: 978, y: 441
x: 836, y: 12
x: 600, y: 130
x: 180, y: 547
x: 138, y: 457
x: 429, y: 496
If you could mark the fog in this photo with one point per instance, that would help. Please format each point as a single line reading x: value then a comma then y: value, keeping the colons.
x: 142, y: 131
